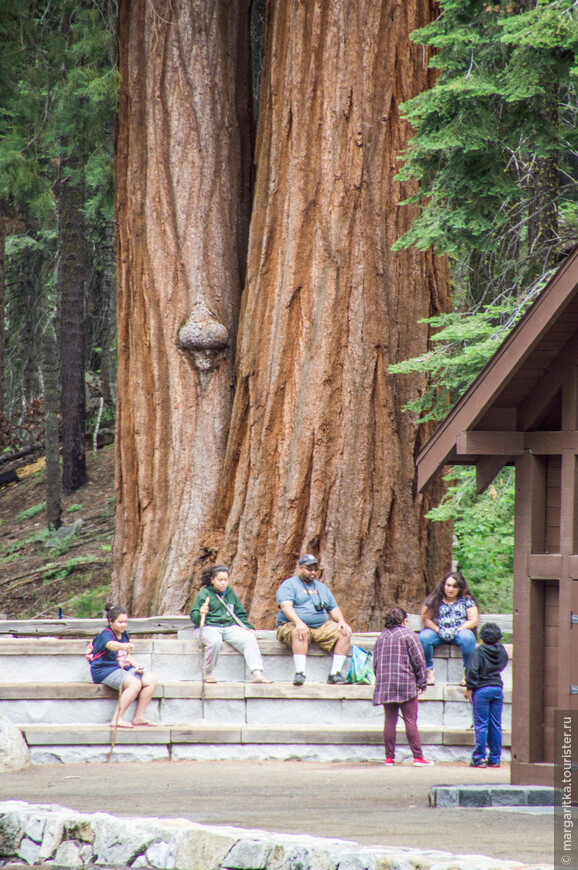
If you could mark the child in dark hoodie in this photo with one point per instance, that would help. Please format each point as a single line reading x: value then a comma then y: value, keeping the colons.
x: 485, y: 690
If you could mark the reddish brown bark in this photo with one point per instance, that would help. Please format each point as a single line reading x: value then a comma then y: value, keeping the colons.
x: 183, y: 197
x: 320, y: 456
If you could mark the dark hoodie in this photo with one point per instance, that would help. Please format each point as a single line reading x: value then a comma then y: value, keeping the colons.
x: 485, y: 664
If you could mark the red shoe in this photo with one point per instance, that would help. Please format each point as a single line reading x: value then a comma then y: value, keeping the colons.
x: 423, y: 762
x: 389, y: 761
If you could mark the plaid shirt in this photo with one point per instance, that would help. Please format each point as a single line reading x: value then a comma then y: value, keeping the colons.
x: 399, y: 665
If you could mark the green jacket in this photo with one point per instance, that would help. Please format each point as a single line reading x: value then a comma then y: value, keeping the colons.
x: 218, y: 614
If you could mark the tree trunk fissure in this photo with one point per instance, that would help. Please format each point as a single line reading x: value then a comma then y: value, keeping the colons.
x: 324, y: 460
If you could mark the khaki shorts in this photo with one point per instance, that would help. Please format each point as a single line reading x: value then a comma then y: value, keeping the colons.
x: 326, y: 636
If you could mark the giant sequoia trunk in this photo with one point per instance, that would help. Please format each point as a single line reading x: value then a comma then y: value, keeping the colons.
x: 183, y: 159
x: 320, y: 456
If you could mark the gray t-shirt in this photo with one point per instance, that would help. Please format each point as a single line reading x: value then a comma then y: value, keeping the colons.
x: 304, y: 597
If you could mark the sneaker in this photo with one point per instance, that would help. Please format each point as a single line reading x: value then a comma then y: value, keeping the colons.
x: 299, y: 678
x: 431, y: 677
x: 336, y: 678
x: 480, y: 764
x: 389, y: 762
x: 490, y: 764
x: 423, y: 762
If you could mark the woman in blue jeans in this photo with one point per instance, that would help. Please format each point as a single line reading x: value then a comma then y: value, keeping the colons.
x: 449, y: 615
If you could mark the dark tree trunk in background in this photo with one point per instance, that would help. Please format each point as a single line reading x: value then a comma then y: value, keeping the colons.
x: 71, y: 270
x: 320, y: 456
x: 51, y: 437
x: 183, y: 173
x: 109, y: 296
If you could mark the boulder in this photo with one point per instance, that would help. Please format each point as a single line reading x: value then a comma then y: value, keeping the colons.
x: 14, y: 752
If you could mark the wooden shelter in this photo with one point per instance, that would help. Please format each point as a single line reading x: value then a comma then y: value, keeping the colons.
x: 522, y: 409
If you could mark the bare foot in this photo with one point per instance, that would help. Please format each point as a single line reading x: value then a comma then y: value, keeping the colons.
x: 210, y: 679
x: 259, y: 678
x: 122, y: 724
x: 144, y: 722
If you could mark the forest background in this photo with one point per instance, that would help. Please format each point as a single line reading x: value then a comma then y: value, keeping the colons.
x: 489, y: 177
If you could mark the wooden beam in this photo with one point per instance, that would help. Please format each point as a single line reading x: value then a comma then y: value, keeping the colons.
x: 545, y: 566
x: 486, y: 470
x: 479, y: 443
x: 548, y: 443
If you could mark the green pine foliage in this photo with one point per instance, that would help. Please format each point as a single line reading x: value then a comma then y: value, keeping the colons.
x: 58, y: 90
x: 493, y: 165
x: 496, y: 142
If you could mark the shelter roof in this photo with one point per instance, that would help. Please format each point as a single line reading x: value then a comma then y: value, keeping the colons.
x: 518, y: 391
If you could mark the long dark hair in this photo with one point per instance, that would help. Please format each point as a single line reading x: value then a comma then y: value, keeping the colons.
x: 395, y: 616
x: 436, y: 597
x: 209, y: 573
x: 113, y: 611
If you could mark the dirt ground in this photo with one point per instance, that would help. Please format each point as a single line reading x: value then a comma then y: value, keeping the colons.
x: 363, y: 802
x: 41, y: 572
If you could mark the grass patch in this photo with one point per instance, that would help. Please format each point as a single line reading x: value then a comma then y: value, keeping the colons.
x: 30, y: 512
x: 73, y: 508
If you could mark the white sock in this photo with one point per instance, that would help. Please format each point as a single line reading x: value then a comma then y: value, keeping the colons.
x: 337, y: 663
x: 299, y: 660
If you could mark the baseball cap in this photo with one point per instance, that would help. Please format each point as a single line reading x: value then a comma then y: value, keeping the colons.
x: 307, y: 559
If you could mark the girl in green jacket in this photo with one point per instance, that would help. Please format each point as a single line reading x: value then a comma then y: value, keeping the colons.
x: 225, y: 619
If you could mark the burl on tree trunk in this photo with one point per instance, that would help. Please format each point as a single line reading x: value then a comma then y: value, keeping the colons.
x: 320, y: 455
x: 183, y: 164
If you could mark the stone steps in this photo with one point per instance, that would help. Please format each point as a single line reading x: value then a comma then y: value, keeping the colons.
x: 91, y: 743
x: 47, y: 692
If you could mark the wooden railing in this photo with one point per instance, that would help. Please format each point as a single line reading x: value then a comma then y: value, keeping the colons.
x: 68, y: 627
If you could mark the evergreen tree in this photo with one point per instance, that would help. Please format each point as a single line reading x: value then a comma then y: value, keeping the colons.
x: 496, y: 143
x: 56, y: 145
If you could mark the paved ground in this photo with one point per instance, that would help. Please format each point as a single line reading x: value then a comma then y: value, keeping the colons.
x: 367, y: 803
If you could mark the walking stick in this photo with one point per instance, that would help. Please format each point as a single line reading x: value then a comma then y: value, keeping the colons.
x: 114, y: 733
x: 202, y: 662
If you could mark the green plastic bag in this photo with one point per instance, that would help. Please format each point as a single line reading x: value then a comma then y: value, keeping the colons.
x: 361, y: 670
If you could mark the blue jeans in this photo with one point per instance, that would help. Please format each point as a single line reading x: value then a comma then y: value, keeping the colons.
x: 466, y: 640
x: 487, y: 702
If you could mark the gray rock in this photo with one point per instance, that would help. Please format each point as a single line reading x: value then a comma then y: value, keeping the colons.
x: 474, y: 797
x: 53, y: 834
x: 248, y: 855
x: 68, y: 854
x: 540, y: 796
x: 120, y: 842
x: 298, y: 858
x: 198, y: 848
x: 162, y: 855
x: 360, y: 860
x: 508, y: 797
x: 28, y: 851
x: 12, y: 825
x: 79, y: 829
x: 35, y: 828
x: 14, y: 752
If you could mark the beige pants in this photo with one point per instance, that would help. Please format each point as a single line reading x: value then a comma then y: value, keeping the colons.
x: 326, y: 636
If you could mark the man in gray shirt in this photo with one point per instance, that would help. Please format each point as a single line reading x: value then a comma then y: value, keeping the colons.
x: 308, y: 611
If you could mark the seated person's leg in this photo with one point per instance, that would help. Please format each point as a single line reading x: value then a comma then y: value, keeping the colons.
x: 286, y: 634
x: 331, y: 639
x: 429, y: 639
x: 466, y: 640
x: 212, y: 641
x: 245, y: 641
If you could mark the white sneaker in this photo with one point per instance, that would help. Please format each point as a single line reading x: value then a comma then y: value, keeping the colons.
x: 423, y: 762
